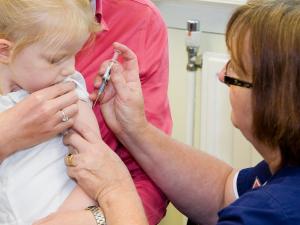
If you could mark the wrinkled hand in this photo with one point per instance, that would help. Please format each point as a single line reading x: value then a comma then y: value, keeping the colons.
x: 82, y: 217
x: 122, y: 105
x: 37, y: 118
x: 98, y: 169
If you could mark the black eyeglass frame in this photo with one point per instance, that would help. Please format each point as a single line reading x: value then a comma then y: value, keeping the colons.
x: 234, y: 81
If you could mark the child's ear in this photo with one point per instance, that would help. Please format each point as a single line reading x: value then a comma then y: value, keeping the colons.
x: 5, y: 51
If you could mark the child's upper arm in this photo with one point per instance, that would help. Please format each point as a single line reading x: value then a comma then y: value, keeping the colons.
x: 85, y: 111
x: 87, y: 116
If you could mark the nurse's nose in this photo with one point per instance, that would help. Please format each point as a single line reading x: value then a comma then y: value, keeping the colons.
x: 221, y: 74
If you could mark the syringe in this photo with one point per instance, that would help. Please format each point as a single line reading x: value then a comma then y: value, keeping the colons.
x: 106, y: 77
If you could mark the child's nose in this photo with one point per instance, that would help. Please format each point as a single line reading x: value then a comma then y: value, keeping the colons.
x: 69, y: 68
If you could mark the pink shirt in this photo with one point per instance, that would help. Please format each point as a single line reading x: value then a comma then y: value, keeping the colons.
x: 137, y: 24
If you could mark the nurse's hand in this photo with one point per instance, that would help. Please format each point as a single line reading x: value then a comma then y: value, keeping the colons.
x: 123, y: 104
x: 37, y: 118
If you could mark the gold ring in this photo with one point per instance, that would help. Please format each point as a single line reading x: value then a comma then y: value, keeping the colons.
x: 69, y: 160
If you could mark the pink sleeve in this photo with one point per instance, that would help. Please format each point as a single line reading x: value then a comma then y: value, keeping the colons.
x: 154, y: 69
x: 144, y: 31
x: 151, y: 47
x: 154, y: 75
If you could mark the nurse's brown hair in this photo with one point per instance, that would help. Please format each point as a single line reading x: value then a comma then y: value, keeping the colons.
x: 268, y: 33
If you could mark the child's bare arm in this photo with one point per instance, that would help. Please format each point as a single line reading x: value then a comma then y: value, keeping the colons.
x: 78, y: 199
x: 86, y: 115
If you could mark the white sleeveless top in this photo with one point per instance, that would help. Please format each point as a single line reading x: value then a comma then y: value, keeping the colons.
x: 34, y: 182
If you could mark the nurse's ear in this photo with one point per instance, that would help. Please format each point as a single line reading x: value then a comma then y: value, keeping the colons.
x: 5, y: 51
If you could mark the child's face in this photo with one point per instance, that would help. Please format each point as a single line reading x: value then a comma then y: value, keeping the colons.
x: 34, y: 68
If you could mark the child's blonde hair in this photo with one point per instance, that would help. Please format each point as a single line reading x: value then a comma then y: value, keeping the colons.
x: 56, y: 22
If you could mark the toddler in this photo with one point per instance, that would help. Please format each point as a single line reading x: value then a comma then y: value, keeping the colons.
x: 38, y: 43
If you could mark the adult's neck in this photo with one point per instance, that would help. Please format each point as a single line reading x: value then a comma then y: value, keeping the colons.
x: 271, y: 155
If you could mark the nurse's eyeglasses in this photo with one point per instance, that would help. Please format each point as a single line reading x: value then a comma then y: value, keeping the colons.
x: 234, y: 81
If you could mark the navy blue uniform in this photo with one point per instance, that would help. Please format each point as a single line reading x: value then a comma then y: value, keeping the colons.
x: 276, y: 201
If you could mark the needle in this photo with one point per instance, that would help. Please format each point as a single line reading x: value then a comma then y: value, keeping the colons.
x: 106, y: 77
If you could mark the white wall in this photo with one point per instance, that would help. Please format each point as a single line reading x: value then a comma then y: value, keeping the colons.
x: 213, y: 16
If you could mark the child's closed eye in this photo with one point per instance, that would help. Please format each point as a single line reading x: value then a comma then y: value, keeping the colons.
x: 56, y: 60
